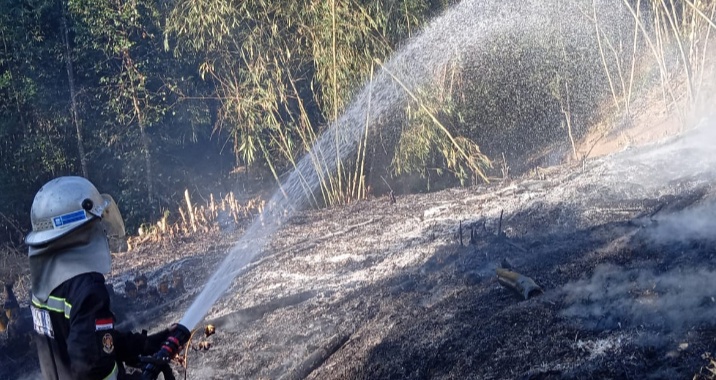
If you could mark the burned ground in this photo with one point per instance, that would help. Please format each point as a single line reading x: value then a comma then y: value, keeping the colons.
x: 623, y: 247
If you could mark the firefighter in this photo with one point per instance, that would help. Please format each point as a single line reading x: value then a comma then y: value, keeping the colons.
x: 69, y: 255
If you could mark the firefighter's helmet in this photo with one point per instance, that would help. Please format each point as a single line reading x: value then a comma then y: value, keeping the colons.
x: 66, y: 203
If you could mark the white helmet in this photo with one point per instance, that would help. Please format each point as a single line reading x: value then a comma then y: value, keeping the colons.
x: 66, y: 203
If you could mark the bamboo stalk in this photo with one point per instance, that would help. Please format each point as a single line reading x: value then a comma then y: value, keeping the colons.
x: 659, y: 57
x: 308, y: 139
x: 284, y: 145
x: 567, y: 112
x: 360, y: 159
x: 568, y: 117
x: 339, y: 166
x: 617, y: 61
x: 602, y: 55
x: 633, y: 61
x: 189, y: 207
x: 437, y: 122
x: 704, y: 50
x: 708, y: 19
x: 183, y: 217
x: 687, y: 67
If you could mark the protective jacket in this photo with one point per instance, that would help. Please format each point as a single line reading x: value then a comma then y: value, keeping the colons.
x: 76, y: 338
x: 68, y: 254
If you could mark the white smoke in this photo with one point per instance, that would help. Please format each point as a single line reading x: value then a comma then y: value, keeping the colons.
x: 32, y: 376
x: 694, y: 224
x: 667, y: 298
x: 614, y: 297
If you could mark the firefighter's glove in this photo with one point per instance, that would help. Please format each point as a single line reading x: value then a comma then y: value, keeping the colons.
x: 159, y: 362
x: 153, y: 342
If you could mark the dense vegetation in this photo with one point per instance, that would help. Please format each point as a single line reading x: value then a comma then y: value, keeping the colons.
x: 142, y: 96
x: 148, y: 97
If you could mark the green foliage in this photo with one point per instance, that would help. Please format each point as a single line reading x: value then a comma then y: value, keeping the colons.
x: 174, y: 94
x: 34, y: 142
x: 427, y: 147
x: 283, y: 72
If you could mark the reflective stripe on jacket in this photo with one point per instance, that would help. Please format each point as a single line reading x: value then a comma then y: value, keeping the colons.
x: 75, y: 331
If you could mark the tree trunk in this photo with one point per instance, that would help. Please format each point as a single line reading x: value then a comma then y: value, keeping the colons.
x: 145, y: 150
x: 143, y: 136
x: 73, y: 92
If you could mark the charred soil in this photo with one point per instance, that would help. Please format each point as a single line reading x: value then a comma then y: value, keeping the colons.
x: 622, y: 246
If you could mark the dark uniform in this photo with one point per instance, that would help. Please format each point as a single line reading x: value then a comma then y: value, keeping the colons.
x: 76, y: 336
x: 68, y: 254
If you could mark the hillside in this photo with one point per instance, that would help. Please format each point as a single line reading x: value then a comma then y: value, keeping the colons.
x: 622, y: 247
x: 614, y: 221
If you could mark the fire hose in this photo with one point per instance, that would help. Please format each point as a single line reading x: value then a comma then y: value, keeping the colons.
x: 178, y: 339
x: 159, y: 362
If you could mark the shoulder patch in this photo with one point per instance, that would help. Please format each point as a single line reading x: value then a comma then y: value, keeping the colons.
x: 103, y: 324
x: 107, y: 343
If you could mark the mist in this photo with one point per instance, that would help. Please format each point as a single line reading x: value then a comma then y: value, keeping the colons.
x: 614, y: 297
x: 666, y: 297
x: 32, y: 376
x: 693, y: 224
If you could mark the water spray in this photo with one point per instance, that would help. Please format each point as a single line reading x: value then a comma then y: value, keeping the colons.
x: 293, y: 195
x: 411, y: 68
x: 247, y: 248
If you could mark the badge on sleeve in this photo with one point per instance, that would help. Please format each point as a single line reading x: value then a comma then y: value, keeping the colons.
x: 107, y: 343
x: 41, y: 321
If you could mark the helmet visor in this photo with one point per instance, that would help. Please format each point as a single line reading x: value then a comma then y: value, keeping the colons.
x: 111, y: 217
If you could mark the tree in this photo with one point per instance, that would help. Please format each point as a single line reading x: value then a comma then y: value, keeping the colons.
x: 73, y: 92
x: 284, y: 72
x: 121, y: 43
x: 34, y: 143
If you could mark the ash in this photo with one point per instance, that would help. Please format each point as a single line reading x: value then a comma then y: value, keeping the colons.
x: 623, y: 247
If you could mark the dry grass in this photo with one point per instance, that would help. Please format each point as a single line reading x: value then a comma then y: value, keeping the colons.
x: 13, y: 264
x: 707, y: 372
x: 14, y: 269
x: 193, y: 219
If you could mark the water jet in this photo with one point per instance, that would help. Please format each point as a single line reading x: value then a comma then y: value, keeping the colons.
x: 463, y: 37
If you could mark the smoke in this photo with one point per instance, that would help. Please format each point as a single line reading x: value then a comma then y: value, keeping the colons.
x: 32, y: 376
x: 672, y: 301
x: 667, y: 166
x: 684, y: 167
x: 696, y: 224
x: 669, y: 299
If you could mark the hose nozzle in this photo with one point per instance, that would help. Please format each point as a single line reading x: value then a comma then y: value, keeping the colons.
x: 159, y: 362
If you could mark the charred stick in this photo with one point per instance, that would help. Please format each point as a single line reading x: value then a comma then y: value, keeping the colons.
x: 515, y: 245
x: 10, y: 299
x: 473, y: 235
x: 460, y: 233
x: 392, y: 193
x: 317, y: 358
x: 656, y: 211
x: 499, y: 226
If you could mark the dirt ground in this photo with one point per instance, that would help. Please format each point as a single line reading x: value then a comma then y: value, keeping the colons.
x: 623, y: 247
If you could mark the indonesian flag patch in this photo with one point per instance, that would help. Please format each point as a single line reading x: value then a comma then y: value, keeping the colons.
x: 104, y: 324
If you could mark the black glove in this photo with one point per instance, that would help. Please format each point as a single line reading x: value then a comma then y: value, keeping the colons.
x: 130, y: 346
x: 153, y: 343
x: 159, y: 362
